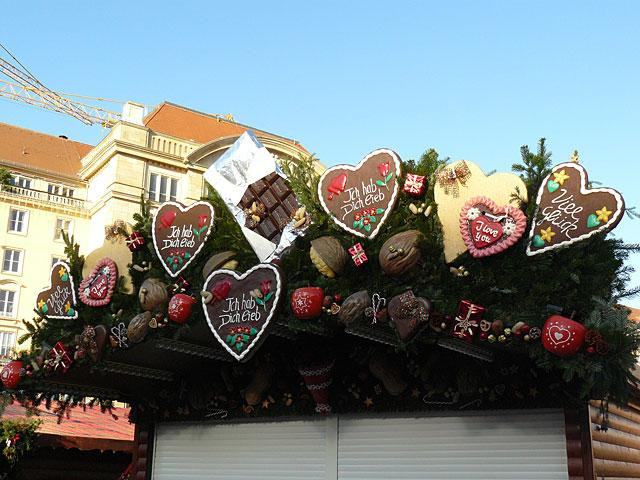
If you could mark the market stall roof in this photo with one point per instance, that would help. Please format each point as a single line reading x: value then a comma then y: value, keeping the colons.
x: 88, y: 429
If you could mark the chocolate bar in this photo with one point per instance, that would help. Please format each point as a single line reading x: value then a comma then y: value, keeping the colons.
x: 279, y: 201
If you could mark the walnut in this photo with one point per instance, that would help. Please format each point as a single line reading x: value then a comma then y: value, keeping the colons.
x: 401, y: 253
x: 328, y: 255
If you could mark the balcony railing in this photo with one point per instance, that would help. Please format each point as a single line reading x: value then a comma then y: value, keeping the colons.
x: 170, y: 145
x: 41, y: 196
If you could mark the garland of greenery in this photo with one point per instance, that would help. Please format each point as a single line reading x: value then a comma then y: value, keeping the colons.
x: 588, y: 279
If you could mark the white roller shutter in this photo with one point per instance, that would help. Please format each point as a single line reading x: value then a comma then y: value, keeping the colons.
x: 511, y: 445
x: 514, y: 445
x: 249, y: 451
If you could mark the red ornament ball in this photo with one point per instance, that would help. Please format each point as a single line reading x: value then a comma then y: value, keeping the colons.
x: 591, y: 350
x: 180, y: 307
x: 11, y: 373
x: 307, y: 302
x: 562, y: 336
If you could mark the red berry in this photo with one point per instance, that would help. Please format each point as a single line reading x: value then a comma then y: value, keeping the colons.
x: 591, y: 350
x: 337, y: 298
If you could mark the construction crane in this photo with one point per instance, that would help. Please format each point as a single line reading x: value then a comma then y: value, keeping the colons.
x: 24, y: 87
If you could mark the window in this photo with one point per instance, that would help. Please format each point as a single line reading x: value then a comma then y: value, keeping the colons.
x: 20, y: 181
x: 12, y: 260
x: 57, y: 259
x: 7, y: 342
x: 162, y: 188
x: 8, y: 302
x: 60, y: 190
x: 62, y: 224
x: 18, y: 221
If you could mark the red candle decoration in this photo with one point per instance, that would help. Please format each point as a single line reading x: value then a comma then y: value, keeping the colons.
x: 11, y: 374
x: 180, y: 307
x: 306, y: 302
x: 563, y: 336
x: 467, y: 320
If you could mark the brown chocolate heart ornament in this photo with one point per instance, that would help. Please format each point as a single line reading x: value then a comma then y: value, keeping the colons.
x: 409, y: 313
x: 360, y: 198
x: 568, y: 211
x: 58, y: 300
x: 179, y: 233
x: 239, y: 308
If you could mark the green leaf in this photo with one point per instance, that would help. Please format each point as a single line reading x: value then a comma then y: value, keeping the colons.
x: 379, y: 211
x: 388, y: 177
x: 259, y: 301
x: 230, y: 339
x: 196, y: 232
x: 372, y: 219
x: 367, y: 228
x: 253, y: 331
x: 355, y: 223
x: 380, y: 182
x: 268, y: 297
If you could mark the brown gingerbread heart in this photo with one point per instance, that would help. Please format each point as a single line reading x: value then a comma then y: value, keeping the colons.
x: 569, y: 211
x: 360, y: 198
x: 58, y: 300
x: 239, y: 308
x: 179, y: 233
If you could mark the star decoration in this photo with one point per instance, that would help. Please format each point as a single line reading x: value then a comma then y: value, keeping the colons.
x: 265, y: 403
x: 575, y: 158
x: 603, y: 214
x: 41, y: 304
x: 368, y: 402
x: 62, y: 272
x: 560, y: 176
x: 547, y: 234
x: 67, y: 306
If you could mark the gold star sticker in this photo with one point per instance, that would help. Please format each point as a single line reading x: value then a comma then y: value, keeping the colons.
x: 603, y: 215
x: 67, y: 306
x: 265, y: 403
x: 560, y: 176
x: 368, y: 402
x: 41, y: 304
x: 547, y: 234
x: 62, y: 271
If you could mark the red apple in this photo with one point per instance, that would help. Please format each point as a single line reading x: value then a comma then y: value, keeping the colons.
x: 10, y: 374
x: 306, y: 302
x: 562, y: 336
x: 180, y: 307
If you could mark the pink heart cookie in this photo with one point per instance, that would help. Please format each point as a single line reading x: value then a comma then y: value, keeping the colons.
x: 488, y: 228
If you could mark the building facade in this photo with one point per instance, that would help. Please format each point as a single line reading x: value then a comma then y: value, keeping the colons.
x: 59, y: 184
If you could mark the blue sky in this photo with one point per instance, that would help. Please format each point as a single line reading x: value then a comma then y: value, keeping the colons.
x: 474, y: 80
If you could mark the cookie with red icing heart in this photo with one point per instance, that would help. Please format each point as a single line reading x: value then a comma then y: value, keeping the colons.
x: 360, y: 198
x: 97, y: 288
x: 488, y: 228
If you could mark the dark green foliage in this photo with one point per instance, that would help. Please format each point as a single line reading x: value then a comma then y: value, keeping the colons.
x: 585, y: 279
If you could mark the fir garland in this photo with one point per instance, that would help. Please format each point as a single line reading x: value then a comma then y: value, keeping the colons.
x: 587, y: 279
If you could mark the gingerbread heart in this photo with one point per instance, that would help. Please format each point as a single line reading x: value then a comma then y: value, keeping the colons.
x: 568, y: 211
x: 241, y: 307
x: 179, y: 233
x: 97, y: 288
x: 58, y: 300
x: 360, y: 198
x: 461, y: 181
x: 488, y: 228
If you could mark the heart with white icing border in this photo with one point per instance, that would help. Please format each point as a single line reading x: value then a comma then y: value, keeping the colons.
x: 488, y: 228
x: 179, y: 233
x: 568, y: 211
x: 360, y: 198
x: 241, y: 306
x: 58, y: 300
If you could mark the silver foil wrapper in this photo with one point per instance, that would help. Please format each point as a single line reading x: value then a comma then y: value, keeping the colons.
x: 244, y: 163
